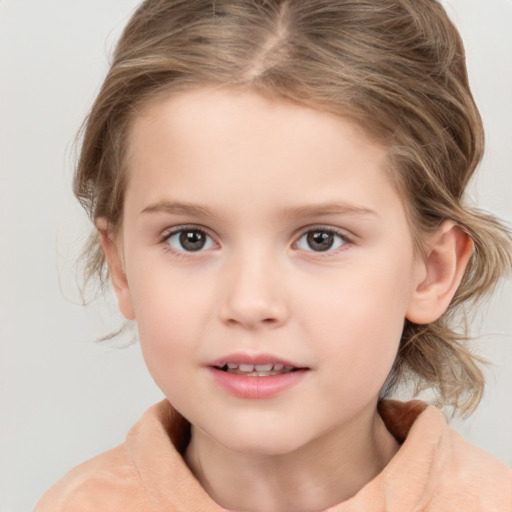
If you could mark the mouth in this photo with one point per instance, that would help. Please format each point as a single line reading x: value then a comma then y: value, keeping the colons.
x: 256, y: 376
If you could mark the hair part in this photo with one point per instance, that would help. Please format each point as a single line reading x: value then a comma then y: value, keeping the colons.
x: 396, y: 67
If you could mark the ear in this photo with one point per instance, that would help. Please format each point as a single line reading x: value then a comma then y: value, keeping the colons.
x: 112, y: 249
x: 448, y: 253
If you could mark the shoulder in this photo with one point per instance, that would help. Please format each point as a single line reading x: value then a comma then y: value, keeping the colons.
x: 439, y: 470
x: 139, y: 475
x: 483, y: 481
x: 106, y: 482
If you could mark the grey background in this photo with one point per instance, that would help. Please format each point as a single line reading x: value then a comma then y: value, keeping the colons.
x: 65, y: 398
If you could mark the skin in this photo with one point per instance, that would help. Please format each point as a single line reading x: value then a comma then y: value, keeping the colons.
x: 257, y: 176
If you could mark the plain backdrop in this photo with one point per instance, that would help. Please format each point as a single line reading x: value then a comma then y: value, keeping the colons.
x: 65, y: 397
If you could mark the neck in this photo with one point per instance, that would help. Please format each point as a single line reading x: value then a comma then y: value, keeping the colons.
x: 326, y: 471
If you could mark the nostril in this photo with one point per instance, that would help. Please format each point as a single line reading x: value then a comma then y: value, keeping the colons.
x: 251, y: 311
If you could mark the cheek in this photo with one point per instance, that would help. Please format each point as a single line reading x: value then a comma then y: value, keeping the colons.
x: 170, y: 320
x: 166, y: 299
x: 361, y: 320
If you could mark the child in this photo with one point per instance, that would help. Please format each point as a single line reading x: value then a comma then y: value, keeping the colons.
x: 278, y: 193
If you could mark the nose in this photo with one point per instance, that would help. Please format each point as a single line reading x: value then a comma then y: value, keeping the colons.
x: 254, y: 295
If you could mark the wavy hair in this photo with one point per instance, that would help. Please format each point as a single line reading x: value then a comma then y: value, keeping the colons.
x: 396, y: 67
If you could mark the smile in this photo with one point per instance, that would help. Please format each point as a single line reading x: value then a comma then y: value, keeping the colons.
x: 256, y: 376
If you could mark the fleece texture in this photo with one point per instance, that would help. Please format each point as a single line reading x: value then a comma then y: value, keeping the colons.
x: 435, y: 470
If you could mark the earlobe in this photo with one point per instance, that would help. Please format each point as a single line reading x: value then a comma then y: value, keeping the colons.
x: 113, y: 254
x: 449, y: 251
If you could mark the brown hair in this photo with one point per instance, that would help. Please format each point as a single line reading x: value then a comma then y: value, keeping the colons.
x: 397, y: 67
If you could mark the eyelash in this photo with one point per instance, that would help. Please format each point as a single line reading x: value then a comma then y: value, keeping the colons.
x: 180, y: 230
x: 341, y: 235
x: 345, y: 241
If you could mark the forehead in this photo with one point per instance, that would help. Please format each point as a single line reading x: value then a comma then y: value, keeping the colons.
x: 226, y: 144
x: 251, y: 113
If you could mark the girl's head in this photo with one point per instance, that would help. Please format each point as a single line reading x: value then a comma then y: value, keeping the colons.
x: 393, y: 68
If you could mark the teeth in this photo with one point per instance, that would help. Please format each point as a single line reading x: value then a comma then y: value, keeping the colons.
x: 257, y: 370
x: 263, y: 367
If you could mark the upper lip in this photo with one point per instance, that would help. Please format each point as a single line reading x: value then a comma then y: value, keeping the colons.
x: 254, y: 359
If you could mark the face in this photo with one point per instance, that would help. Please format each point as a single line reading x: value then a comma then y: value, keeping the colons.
x: 268, y: 263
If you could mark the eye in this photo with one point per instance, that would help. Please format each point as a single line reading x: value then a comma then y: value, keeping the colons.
x: 321, y: 240
x: 189, y: 240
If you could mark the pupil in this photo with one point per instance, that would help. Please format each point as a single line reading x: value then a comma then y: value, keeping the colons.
x: 192, y: 240
x: 320, y: 240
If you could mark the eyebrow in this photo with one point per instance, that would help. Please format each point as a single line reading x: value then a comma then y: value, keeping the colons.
x: 331, y: 208
x: 177, y: 208
x: 314, y: 210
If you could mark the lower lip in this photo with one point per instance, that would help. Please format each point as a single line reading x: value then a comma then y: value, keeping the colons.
x: 256, y: 387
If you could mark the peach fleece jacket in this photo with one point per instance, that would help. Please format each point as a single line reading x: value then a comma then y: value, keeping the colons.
x: 435, y: 470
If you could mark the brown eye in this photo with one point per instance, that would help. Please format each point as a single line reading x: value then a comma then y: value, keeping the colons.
x: 320, y: 240
x: 190, y: 240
